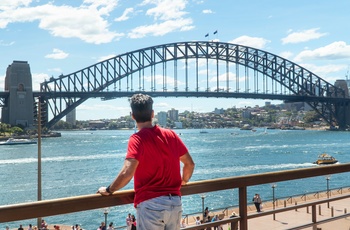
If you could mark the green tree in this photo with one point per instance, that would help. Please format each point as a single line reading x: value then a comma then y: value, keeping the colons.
x: 16, y: 130
x: 311, y: 116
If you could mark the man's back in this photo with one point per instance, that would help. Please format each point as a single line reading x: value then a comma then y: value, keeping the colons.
x: 158, y: 152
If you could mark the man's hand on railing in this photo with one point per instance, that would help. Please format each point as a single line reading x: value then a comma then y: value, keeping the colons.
x: 103, y: 191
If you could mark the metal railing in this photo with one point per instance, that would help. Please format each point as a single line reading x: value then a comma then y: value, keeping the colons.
x: 60, y: 206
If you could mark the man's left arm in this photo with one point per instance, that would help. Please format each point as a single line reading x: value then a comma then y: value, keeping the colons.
x: 188, y: 167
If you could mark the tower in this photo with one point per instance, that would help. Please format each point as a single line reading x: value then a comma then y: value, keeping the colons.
x: 18, y: 109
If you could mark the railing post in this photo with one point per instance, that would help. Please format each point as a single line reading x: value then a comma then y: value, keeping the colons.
x: 319, y: 210
x: 243, y: 210
x: 234, y: 225
x: 313, y: 210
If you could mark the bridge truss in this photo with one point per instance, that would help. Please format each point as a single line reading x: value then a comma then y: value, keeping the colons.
x: 195, y: 69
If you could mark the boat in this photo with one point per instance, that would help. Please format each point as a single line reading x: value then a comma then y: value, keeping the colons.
x: 203, y: 131
x: 324, y: 158
x: 13, y: 141
x: 246, y: 127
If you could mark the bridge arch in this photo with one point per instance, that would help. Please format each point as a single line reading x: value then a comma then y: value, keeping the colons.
x: 196, y: 69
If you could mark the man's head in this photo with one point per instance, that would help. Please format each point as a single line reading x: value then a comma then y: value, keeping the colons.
x: 141, y: 107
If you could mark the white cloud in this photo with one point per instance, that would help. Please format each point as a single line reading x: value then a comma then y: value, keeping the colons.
x: 168, y: 16
x: 13, y: 4
x: 38, y: 78
x: 2, y: 43
x: 207, y: 12
x: 125, y: 14
x: 2, y: 82
x: 160, y: 29
x: 166, y: 9
x: 59, y: 70
x: 105, y: 57
x: 255, y: 42
x: 324, y: 69
x: 85, y: 22
x: 302, y: 36
x: 57, y: 54
x: 333, y: 51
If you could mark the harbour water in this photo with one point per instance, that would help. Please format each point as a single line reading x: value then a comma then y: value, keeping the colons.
x: 79, y: 162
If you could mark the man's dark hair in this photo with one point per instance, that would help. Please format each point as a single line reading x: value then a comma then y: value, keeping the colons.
x: 141, y: 107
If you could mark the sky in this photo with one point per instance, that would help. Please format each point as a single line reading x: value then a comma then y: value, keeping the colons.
x: 61, y: 37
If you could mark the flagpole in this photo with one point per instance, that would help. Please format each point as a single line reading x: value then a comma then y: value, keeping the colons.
x: 216, y: 33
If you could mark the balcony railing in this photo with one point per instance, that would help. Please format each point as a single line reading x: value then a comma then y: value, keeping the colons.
x: 60, y: 206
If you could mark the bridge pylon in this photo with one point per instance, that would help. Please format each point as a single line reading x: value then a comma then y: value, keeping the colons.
x: 342, y: 109
x: 18, y: 107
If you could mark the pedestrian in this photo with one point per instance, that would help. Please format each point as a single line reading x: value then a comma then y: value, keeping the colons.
x: 110, y: 226
x: 43, y: 225
x: 153, y: 158
x: 206, y: 212
x: 20, y: 227
x: 133, y: 223
x: 257, y: 202
x: 198, y: 221
x: 30, y: 227
x: 128, y: 222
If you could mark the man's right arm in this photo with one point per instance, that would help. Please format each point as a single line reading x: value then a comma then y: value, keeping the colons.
x: 123, y: 178
x: 188, y: 167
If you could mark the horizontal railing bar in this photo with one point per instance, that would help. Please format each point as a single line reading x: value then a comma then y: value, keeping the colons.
x: 213, y: 224
x: 297, y: 206
x: 320, y: 222
x: 94, y: 201
x: 262, y: 178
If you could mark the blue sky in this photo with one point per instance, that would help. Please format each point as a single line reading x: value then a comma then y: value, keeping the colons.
x: 65, y: 36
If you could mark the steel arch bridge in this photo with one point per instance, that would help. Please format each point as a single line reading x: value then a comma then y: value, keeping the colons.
x: 196, y: 69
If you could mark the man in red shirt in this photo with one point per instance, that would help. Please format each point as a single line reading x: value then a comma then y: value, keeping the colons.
x: 153, y: 159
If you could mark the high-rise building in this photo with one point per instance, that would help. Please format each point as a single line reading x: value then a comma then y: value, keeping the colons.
x: 173, y: 114
x: 71, y: 116
x: 162, y: 118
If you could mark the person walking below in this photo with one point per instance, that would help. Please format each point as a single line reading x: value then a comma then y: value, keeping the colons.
x: 257, y: 202
x: 153, y: 158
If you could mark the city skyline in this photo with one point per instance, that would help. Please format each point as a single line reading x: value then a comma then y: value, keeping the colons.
x: 64, y: 37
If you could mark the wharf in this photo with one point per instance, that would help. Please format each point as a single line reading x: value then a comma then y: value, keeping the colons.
x: 295, y: 218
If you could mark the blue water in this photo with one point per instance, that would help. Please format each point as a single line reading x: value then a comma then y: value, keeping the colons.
x: 79, y: 162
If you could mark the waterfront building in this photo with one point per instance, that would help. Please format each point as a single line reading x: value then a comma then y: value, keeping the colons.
x: 97, y: 124
x: 178, y: 124
x: 219, y: 111
x: 246, y: 114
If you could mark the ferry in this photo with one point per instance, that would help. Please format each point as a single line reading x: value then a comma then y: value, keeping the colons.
x: 325, y: 159
x: 13, y: 141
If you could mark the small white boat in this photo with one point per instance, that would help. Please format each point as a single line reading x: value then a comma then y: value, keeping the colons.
x: 13, y: 141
